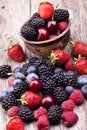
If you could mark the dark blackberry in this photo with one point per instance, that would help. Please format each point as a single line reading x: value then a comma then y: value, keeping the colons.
x: 61, y: 14
x: 24, y: 69
x: 60, y: 95
x: 9, y: 101
x: 26, y: 114
x: 49, y: 64
x: 39, y: 61
x: 70, y: 80
x: 59, y: 78
x: 19, y: 89
x: 49, y: 86
x: 37, y: 22
x: 32, y: 60
x: 43, y: 69
x: 54, y: 114
x: 35, y: 15
x: 29, y: 33
x: 4, y: 70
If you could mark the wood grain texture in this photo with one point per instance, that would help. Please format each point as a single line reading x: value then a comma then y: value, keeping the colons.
x: 13, y: 13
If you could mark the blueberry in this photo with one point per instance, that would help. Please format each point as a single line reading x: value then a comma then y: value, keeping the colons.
x: 19, y: 75
x: 9, y: 90
x: 69, y: 89
x: 2, y: 95
x: 17, y: 69
x: 58, y: 70
x: 70, y: 73
x: 84, y: 90
x: 17, y: 81
x: 31, y: 69
x: 82, y: 80
x: 31, y: 76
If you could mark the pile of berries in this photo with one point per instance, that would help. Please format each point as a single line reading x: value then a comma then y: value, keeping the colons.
x: 43, y: 89
x: 45, y: 24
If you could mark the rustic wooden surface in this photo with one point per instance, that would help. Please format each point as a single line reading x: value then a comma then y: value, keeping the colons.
x: 13, y: 13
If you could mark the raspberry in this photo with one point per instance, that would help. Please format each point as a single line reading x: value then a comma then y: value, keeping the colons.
x: 62, y: 25
x: 13, y: 111
x: 41, y: 111
x: 69, y: 118
x: 68, y: 105
x: 11, y: 82
x: 77, y: 97
x: 43, y: 123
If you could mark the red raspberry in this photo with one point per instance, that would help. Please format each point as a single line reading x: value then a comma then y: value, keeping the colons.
x: 41, y: 111
x: 69, y: 66
x: 68, y: 105
x: 10, y: 82
x: 62, y: 25
x: 43, y: 123
x: 13, y: 111
x: 77, y: 97
x: 69, y: 118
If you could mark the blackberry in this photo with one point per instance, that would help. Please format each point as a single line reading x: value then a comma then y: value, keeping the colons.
x: 54, y: 114
x: 19, y: 89
x: 4, y: 70
x: 35, y: 15
x: 49, y: 64
x: 70, y: 80
x: 26, y: 114
x: 49, y: 86
x: 29, y: 33
x: 61, y: 15
x: 39, y: 61
x: 32, y: 60
x: 9, y: 101
x: 59, y: 78
x: 60, y: 95
x: 43, y: 69
x: 37, y: 22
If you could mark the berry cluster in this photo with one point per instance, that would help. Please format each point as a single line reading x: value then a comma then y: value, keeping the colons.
x: 46, y: 24
x: 60, y: 91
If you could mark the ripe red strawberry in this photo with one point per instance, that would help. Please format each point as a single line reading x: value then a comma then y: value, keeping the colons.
x: 45, y: 10
x: 59, y: 57
x: 79, y: 48
x: 15, y: 52
x: 31, y: 99
x: 15, y: 123
x: 69, y: 66
x: 81, y: 66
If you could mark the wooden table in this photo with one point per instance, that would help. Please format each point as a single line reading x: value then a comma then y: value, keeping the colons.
x: 13, y: 13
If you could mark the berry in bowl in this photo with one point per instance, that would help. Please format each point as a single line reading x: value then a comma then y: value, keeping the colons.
x: 46, y: 30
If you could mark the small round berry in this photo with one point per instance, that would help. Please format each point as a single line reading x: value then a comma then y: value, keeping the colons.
x: 2, y: 95
x: 9, y: 90
x: 31, y: 76
x: 17, y: 81
x: 17, y: 69
x: 58, y: 70
x: 19, y: 75
x: 31, y: 69
x: 69, y: 89
x: 84, y: 90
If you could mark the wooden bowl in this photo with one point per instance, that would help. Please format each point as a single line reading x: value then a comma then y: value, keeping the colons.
x: 43, y: 48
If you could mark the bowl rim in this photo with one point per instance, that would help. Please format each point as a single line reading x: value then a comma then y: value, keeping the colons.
x: 49, y: 40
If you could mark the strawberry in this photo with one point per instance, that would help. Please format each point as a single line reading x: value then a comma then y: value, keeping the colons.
x: 31, y: 99
x: 45, y: 10
x: 81, y: 66
x: 15, y: 52
x: 70, y: 66
x: 15, y: 123
x: 59, y: 57
x: 79, y: 48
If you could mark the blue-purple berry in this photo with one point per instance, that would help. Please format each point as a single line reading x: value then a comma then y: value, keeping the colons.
x: 31, y: 69
x: 69, y: 89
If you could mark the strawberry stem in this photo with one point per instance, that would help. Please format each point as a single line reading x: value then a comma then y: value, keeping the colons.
x: 72, y: 41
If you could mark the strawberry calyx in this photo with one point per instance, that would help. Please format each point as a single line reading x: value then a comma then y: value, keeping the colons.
x: 22, y: 100
x: 53, y: 57
x: 79, y: 58
x: 11, y: 44
x: 73, y: 42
